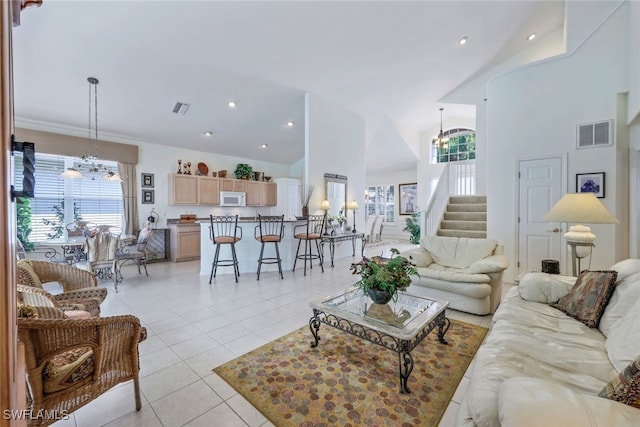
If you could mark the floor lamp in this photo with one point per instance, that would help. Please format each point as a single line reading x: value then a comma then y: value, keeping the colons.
x: 354, y: 207
x: 580, y: 208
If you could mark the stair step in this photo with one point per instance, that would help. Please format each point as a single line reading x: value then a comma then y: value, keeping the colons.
x: 463, y: 233
x: 467, y: 207
x: 467, y: 199
x: 464, y: 225
x: 465, y: 216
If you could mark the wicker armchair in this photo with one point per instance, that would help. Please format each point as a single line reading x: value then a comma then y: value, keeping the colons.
x: 48, y: 307
x: 69, y: 362
x: 78, y: 285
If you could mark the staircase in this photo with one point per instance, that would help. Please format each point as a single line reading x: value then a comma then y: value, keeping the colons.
x: 465, y: 216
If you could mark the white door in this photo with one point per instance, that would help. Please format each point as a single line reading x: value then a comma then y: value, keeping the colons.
x: 540, y: 186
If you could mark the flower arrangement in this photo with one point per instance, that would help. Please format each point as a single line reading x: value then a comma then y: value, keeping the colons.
x: 389, y: 275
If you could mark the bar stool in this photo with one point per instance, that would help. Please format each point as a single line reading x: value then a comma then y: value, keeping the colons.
x: 224, y: 231
x: 270, y: 229
x: 310, y: 232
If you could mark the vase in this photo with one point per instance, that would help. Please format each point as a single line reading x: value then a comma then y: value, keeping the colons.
x: 379, y: 296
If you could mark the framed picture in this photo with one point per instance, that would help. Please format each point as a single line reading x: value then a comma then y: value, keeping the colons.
x: 147, y: 180
x: 147, y: 197
x: 590, y: 183
x: 408, y: 194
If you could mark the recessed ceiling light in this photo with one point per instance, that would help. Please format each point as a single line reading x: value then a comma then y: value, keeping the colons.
x: 531, y: 36
x: 462, y: 40
x: 263, y: 145
x: 232, y: 104
x: 207, y: 133
x: 290, y: 124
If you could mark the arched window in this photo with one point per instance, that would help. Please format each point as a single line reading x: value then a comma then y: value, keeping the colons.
x: 460, y: 146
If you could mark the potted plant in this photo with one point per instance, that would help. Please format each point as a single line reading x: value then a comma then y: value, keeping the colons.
x: 243, y: 171
x: 382, y: 278
x: 413, y: 227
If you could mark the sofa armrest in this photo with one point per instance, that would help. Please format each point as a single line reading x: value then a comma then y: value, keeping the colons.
x: 490, y: 264
x: 418, y: 256
x: 533, y: 402
x: 545, y: 288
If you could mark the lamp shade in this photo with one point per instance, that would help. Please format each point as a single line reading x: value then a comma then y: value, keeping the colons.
x: 354, y: 205
x: 580, y: 208
x: 325, y: 205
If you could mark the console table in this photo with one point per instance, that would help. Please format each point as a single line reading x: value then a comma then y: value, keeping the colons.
x: 331, y: 239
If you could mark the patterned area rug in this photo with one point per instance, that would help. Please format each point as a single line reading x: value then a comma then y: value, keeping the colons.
x: 347, y: 381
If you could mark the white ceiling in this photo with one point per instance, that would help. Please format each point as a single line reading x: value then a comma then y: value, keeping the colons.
x: 389, y: 61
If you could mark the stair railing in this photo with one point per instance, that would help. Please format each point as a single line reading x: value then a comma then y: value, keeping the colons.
x: 462, y: 177
x: 436, y: 204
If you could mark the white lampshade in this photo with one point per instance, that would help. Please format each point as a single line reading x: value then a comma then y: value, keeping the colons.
x: 580, y: 208
x: 354, y: 205
x: 325, y: 205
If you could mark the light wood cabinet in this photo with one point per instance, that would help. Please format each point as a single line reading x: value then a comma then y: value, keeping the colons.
x: 183, y: 189
x: 185, y: 242
x: 208, y: 191
x: 230, y: 184
x: 261, y: 193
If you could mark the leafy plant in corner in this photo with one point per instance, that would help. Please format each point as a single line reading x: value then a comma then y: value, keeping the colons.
x: 58, y: 225
x: 23, y: 226
x: 384, y: 274
x: 413, y: 227
x: 243, y: 171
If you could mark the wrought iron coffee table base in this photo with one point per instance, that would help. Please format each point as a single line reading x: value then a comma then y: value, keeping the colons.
x: 400, y: 346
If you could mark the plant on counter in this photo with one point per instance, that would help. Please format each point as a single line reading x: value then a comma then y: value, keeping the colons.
x: 384, y: 276
x: 244, y: 171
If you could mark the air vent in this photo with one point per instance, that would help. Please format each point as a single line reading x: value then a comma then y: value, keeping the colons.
x: 181, y: 108
x: 596, y: 134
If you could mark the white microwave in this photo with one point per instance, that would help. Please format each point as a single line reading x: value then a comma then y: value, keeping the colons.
x: 233, y: 198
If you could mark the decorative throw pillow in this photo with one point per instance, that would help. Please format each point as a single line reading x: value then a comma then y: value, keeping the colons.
x: 588, y: 298
x: 29, y: 272
x: 625, y: 387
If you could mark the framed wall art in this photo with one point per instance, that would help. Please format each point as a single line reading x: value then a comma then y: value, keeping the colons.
x: 590, y: 183
x: 147, y: 197
x: 147, y: 180
x: 408, y: 195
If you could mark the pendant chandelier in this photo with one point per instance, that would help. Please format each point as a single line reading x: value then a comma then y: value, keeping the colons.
x: 88, y: 165
x: 442, y: 140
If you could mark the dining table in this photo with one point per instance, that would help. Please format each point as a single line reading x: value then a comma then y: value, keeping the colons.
x: 71, y: 249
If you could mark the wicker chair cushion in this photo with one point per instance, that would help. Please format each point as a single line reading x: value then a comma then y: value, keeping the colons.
x: 27, y: 311
x: 92, y: 305
x: 28, y: 273
x: 67, y: 369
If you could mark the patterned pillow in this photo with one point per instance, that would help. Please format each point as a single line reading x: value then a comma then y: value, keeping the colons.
x: 625, y: 387
x: 588, y: 298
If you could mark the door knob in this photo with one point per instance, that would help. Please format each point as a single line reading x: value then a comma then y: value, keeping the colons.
x: 555, y: 230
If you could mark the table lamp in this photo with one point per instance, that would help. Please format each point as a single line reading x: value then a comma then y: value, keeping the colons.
x: 326, y: 207
x: 580, y: 208
x: 354, y: 207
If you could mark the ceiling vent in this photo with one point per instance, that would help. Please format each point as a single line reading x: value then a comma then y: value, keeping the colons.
x: 595, y: 134
x: 181, y: 108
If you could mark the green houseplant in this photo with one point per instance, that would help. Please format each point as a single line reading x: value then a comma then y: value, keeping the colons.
x: 382, y: 278
x: 413, y: 227
x: 243, y: 171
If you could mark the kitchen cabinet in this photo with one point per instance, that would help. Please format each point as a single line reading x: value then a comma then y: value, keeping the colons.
x: 208, y: 191
x: 183, y: 189
x: 229, y: 184
x: 185, y: 242
x: 261, y: 193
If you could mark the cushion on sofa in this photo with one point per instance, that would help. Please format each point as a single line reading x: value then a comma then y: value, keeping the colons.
x: 458, y: 252
x: 418, y: 256
x: 625, y: 387
x: 534, y: 402
x: 626, y: 293
x: 588, y: 298
x: 545, y: 288
x: 623, y: 342
x: 490, y: 264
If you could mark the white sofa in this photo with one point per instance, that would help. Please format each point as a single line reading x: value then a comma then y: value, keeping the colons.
x: 466, y: 272
x: 540, y: 367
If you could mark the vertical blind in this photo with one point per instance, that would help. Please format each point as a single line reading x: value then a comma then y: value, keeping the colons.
x: 95, y: 200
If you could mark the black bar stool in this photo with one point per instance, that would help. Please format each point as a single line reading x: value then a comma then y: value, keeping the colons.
x: 270, y: 229
x: 224, y: 230
x: 310, y: 232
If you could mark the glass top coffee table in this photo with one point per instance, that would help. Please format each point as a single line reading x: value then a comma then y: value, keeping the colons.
x: 399, y: 326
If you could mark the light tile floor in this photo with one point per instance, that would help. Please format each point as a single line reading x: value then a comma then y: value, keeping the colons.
x: 194, y: 327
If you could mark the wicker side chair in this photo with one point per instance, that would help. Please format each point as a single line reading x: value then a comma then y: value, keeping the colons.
x: 48, y: 307
x: 70, y: 362
x: 78, y: 286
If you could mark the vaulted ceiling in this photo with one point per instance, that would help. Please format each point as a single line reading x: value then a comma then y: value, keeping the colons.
x: 391, y: 62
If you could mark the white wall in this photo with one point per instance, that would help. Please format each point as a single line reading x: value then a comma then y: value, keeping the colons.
x: 633, y: 112
x: 163, y: 160
x: 335, y: 141
x: 534, y: 111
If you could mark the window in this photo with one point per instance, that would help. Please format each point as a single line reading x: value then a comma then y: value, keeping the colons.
x: 380, y: 200
x: 461, y: 146
x: 60, y: 201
